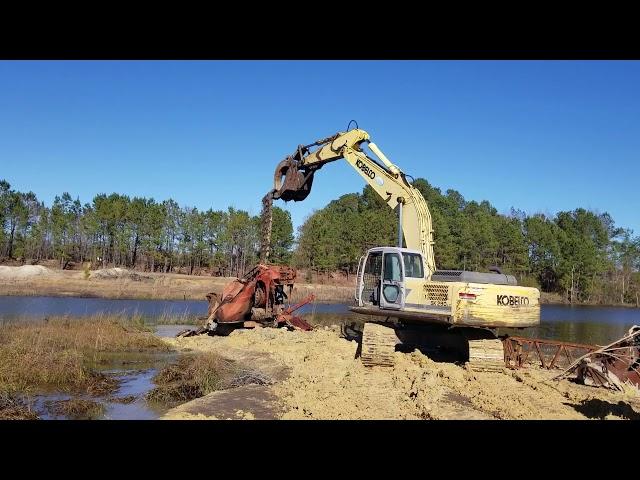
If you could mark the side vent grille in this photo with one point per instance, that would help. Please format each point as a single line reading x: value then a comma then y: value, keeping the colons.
x: 437, y: 294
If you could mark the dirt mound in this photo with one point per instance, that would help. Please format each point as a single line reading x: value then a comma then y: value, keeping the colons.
x: 327, y: 381
x: 118, y: 273
x: 25, y: 271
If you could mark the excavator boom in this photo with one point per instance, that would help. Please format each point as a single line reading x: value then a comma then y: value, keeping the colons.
x: 293, y: 179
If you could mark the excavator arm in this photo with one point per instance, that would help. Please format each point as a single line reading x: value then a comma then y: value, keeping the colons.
x: 294, y: 176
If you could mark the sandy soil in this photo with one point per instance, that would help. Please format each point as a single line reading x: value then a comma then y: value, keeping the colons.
x: 325, y: 380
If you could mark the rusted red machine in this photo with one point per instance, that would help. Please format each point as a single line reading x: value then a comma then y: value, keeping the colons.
x: 256, y: 299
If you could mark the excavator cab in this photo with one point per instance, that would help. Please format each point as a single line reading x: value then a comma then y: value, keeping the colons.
x: 387, y: 275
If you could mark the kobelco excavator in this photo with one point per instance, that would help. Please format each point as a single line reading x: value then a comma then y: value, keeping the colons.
x: 402, y: 284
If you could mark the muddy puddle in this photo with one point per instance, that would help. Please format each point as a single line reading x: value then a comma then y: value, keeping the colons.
x: 127, y: 403
x: 134, y: 373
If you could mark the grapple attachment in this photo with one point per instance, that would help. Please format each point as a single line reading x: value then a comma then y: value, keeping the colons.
x: 291, y: 182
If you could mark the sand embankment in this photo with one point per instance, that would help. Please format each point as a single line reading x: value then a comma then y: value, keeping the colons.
x: 325, y: 380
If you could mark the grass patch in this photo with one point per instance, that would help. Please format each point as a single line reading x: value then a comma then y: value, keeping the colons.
x: 76, y: 408
x: 179, y: 319
x: 13, y: 407
x: 100, y: 384
x: 194, y: 376
x: 127, y: 399
x: 58, y: 353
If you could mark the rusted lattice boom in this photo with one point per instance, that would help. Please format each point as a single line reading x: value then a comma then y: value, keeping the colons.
x: 520, y: 351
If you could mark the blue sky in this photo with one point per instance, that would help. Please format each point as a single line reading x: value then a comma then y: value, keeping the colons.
x: 541, y: 136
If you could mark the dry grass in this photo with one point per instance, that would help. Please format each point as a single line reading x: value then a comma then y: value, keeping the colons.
x: 76, y: 408
x: 178, y: 319
x: 161, y: 286
x: 58, y: 353
x: 323, y: 293
x: 155, y: 286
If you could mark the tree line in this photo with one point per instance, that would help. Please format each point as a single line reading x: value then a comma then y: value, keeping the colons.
x: 579, y: 254
x: 138, y: 232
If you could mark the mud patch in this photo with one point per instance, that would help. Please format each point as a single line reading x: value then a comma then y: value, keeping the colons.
x: 13, y: 407
x: 76, y: 408
x: 123, y: 400
x: 251, y: 402
x: 461, y: 408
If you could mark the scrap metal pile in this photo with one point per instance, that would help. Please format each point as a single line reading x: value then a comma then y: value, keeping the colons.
x: 613, y: 366
x: 255, y: 300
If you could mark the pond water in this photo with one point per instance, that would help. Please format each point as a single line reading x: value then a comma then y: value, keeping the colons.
x: 581, y: 324
x: 17, y: 306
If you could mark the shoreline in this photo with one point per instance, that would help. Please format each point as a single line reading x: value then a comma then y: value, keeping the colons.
x: 148, y: 286
x: 64, y: 294
x: 547, y: 298
x: 133, y: 285
x: 29, y: 291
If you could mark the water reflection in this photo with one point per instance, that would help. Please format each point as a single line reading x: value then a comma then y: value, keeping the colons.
x: 599, y: 325
x: 23, y: 307
x: 557, y: 323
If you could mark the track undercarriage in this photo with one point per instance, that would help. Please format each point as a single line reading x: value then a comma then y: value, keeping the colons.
x: 479, y: 348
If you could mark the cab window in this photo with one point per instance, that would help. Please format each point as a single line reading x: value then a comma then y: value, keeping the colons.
x: 374, y: 263
x: 413, y: 265
x: 392, y: 270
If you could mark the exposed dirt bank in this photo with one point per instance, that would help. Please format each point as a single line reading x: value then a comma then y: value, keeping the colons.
x: 325, y: 380
x: 35, y: 280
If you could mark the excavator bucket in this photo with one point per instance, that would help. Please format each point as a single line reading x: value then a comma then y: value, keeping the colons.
x: 237, y: 301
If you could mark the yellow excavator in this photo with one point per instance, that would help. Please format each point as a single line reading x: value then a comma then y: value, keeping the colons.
x: 402, y: 284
